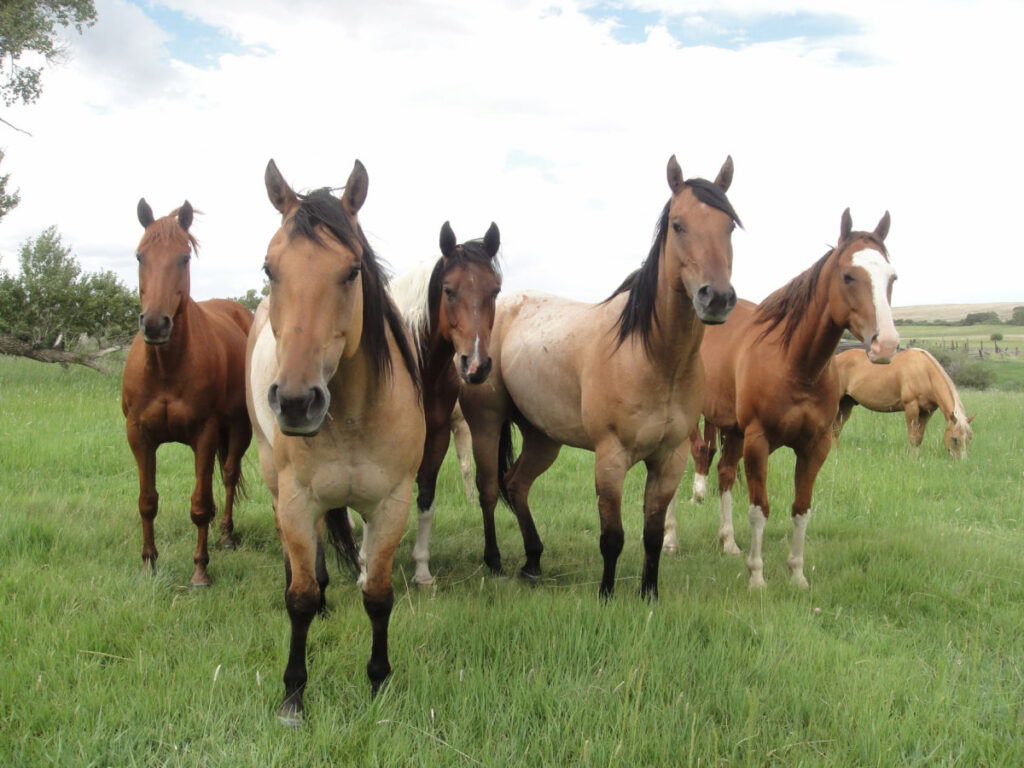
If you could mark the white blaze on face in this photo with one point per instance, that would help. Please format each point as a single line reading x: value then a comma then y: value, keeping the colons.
x: 886, y: 339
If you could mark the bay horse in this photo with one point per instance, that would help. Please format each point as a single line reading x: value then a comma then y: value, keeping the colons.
x: 915, y: 383
x: 771, y: 381
x: 621, y: 378
x: 448, y: 304
x: 334, y: 393
x: 184, y: 382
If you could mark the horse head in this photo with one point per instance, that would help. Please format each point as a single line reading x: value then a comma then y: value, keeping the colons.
x: 315, y: 265
x: 698, y: 241
x: 958, y: 433
x: 163, y: 254
x: 861, y: 288
x: 464, y: 287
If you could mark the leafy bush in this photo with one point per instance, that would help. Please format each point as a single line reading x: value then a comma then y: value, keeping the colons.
x: 996, y: 337
x: 971, y: 375
x: 981, y: 318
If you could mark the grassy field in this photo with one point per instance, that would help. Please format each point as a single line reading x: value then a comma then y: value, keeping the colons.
x: 908, y: 648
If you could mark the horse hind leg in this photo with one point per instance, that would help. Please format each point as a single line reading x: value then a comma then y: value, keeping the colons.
x: 538, y: 454
x: 732, y: 452
x: 203, y: 509
x: 145, y: 459
x: 238, y: 439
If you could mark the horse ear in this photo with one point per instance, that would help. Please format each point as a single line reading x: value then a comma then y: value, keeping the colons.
x: 145, y: 213
x: 492, y: 240
x: 675, y: 175
x: 185, y: 215
x: 971, y: 418
x: 845, y: 226
x: 282, y: 197
x: 355, y: 189
x: 724, y: 178
x: 883, y: 227
x: 448, y: 241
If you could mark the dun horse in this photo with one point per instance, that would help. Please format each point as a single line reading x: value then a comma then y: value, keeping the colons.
x: 771, y: 381
x: 448, y: 305
x: 621, y: 378
x: 334, y: 393
x: 184, y: 381
x: 915, y: 383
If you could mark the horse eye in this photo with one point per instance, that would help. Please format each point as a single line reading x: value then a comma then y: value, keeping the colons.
x: 267, y: 272
x: 848, y: 278
x: 449, y: 293
x: 185, y: 259
x: 138, y: 256
x: 353, y: 273
x: 677, y: 227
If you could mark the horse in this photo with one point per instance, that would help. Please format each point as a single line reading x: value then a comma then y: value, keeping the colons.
x: 621, y: 378
x: 333, y: 389
x: 448, y: 304
x: 463, y: 442
x: 771, y: 381
x: 915, y: 383
x: 183, y: 382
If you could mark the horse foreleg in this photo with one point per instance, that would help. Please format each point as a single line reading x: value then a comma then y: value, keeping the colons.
x: 434, y: 449
x: 755, y: 465
x: 203, y: 509
x: 915, y: 432
x: 486, y: 437
x: 703, y: 450
x: 660, y: 490
x: 302, y: 596
x: 539, y: 452
x: 463, y: 449
x: 382, y: 537
x: 808, y: 463
x: 732, y: 452
x: 610, y: 465
x: 846, y: 404
x: 145, y: 459
x: 670, y: 541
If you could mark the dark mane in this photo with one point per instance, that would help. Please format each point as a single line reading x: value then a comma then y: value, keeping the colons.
x: 638, y: 316
x: 470, y: 252
x: 789, y: 303
x: 321, y: 208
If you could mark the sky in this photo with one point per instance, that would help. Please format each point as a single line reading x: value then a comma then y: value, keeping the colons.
x: 553, y: 118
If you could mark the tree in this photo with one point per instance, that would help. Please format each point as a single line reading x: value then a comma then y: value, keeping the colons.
x: 7, y: 201
x: 51, y: 300
x: 252, y: 299
x: 1017, y: 318
x: 981, y: 318
x: 30, y: 27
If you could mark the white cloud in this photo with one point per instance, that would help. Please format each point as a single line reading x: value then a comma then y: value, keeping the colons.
x: 435, y: 98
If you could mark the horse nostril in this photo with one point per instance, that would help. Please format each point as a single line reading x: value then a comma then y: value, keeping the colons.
x: 704, y: 293
x: 316, y: 402
x: 272, y: 399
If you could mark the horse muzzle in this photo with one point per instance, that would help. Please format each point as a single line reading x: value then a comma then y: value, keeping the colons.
x: 299, y: 412
x: 474, y: 370
x: 713, y: 305
x: 883, y: 347
x: 155, y: 327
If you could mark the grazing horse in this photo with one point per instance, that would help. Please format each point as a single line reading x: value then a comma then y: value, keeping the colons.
x: 621, y: 378
x: 915, y: 383
x: 338, y: 421
x: 448, y: 305
x: 771, y: 381
x: 184, y: 381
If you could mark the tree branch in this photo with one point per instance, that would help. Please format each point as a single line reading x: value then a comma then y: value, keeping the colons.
x: 12, y: 345
x: 12, y: 125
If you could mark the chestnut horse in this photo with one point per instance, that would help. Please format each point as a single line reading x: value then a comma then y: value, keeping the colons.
x: 448, y: 305
x: 621, y: 378
x: 915, y: 383
x: 333, y: 389
x: 771, y: 381
x: 184, y: 381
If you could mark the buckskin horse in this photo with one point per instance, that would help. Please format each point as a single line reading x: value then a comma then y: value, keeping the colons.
x: 621, y: 378
x: 915, y: 383
x: 448, y: 304
x: 184, y: 381
x: 771, y: 380
x: 334, y: 392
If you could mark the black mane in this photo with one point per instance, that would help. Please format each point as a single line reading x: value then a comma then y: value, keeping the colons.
x: 638, y: 316
x: 321, y: 208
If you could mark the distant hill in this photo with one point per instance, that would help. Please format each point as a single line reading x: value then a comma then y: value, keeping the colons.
x: 931, y: 312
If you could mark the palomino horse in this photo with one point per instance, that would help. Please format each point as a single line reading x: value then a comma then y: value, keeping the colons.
x: 448, y: 305
x: 184, y: 381
x: 338, y: 422
x: 771, y: 382
x: 621, y: 378
x: 915, y: 383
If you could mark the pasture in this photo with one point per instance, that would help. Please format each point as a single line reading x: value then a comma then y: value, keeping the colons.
x: 907, y: 649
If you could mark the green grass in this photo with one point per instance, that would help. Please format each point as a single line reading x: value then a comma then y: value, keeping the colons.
x: 906, y: 650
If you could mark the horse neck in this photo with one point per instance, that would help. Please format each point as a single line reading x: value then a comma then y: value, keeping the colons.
x: 168, y: 358
x: 437, y: 353
x: 946, y: 395
x: 676, y: 336
x: 816, y: 337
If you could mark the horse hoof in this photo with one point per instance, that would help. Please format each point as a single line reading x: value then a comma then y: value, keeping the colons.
x: 531, y: 577
x: 228, y: 542
x: 757, y: 582
x: 290, y: 714
x: 669, y: 549
x: 800, y: 581
x: 423, y: 582
x: 730, y: 548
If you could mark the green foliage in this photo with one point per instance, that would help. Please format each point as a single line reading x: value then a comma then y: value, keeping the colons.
x: 1017, y: 318
x: 968, y: 375
x: 51, y: 297
x: 996, y: 337
x: 980, y: 318
x: 251, y: 300
x: 31, y: 26
x: 8, y: 201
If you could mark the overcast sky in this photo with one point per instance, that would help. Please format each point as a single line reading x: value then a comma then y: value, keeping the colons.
x: 554, y: 119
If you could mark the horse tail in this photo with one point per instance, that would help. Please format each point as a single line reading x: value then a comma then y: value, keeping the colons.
x: 241, y: 489
x: 339, y: 534
x: 506, y: 459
